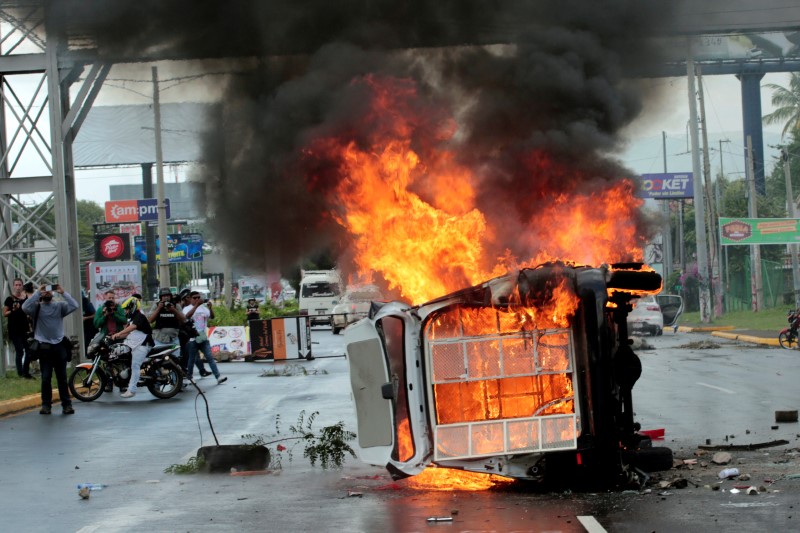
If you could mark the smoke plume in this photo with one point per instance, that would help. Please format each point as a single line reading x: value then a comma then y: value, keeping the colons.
x: 535, y: 93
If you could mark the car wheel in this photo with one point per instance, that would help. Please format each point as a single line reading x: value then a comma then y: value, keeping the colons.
x: 336, y: 330
x: 659, y: 332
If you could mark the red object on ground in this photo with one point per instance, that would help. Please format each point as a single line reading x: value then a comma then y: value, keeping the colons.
x: 653, y: 433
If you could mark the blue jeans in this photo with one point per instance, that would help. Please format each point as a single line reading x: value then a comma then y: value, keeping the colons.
x: 194, y: 348
x: 52, y: 360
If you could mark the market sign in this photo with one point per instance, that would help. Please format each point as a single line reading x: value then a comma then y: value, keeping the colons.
x: 134, y: 210
x: 667, y: 185
x: 758, y: 231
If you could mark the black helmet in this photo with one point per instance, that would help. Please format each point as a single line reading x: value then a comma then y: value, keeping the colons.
x: 184, y: 293
x: 164, y: 291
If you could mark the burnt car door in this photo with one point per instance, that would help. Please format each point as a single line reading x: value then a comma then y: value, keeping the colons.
x: 388, y: 393
x: 671, y: 308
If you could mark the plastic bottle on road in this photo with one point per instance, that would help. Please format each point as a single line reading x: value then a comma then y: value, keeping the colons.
x: 728, y: 472
x: 91, y: 486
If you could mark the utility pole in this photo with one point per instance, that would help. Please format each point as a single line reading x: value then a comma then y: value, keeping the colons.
x: 756, y: 281
x: 163, y: 265
x: 723, y: 249
x: 790, y: 210
x: 712, y: 226
x: 666, y: 239
x: 699, y: 201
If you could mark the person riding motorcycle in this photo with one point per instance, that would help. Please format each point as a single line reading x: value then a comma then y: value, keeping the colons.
x: 138, y: 335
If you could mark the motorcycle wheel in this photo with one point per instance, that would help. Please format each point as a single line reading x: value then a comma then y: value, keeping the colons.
x: 167, y: 380
x: 787, y: 340
x: 86, y: 391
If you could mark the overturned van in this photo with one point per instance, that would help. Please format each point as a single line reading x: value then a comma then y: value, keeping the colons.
x: 522, y: 374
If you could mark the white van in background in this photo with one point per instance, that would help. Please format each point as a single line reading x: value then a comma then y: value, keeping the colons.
x: 320, y: 290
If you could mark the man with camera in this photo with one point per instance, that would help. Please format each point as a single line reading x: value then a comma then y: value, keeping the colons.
x: 166, y: 318
x: 109, y: 317
x: 53, y: 353
x: 201, y: 312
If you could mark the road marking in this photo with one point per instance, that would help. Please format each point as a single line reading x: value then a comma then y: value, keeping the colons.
x: 591, y: 524
x: 715, y: 387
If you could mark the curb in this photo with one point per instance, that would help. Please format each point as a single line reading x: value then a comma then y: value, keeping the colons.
x: 17, y: 405
x: 746, y: 338
x: 696, y: 329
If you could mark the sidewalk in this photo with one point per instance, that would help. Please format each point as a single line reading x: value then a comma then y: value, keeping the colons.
x: 755, y: 336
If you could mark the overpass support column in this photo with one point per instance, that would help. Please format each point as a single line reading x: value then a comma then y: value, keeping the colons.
x: 751, y: 124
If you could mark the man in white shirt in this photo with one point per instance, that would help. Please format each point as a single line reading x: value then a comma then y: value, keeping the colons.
x: 201, y: 312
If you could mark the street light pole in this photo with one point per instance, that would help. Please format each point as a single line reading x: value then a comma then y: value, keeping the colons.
x: 163, y: 265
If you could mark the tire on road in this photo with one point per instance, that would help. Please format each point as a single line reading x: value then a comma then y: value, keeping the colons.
x: 83, y: 390
x: 168, y: 383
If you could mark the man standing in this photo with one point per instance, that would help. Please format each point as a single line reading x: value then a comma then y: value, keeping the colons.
x: 252, y: 310
x: 184, y: 337
x: 53, y: 354
x: 201, y: 313
x: 166, y: 318
x: 18, y: 327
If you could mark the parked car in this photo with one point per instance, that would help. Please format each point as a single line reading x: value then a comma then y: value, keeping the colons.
x: 646, y: 317
x: 671, y: 309
x: 354, y: 305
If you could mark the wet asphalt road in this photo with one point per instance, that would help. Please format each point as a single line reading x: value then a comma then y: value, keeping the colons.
x: 694, y: 394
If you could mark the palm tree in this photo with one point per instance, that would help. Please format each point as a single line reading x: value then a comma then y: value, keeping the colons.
x: 787, y: 103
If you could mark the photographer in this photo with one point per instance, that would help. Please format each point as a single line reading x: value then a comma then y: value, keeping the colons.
x: 109, y: 317
x: 49, y: 331
x: 166, y: 318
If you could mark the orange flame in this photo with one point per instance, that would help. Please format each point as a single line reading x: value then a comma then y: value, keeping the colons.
x: 434, y: 478
x: 411, y: 208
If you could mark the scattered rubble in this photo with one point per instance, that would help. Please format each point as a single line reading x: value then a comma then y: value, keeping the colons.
x: 700, y: 345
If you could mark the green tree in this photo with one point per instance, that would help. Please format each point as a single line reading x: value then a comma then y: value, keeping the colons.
x: 787, y: 103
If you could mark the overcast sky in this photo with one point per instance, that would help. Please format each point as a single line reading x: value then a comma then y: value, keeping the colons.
x: 643, y: 154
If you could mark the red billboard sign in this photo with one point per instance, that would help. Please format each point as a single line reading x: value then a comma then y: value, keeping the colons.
x: 122, y: 211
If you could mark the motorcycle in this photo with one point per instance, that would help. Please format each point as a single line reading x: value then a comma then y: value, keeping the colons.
x: 110, y: 365
x: 787, y: 338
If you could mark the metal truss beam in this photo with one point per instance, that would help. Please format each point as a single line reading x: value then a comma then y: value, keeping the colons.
x: 42, y: 124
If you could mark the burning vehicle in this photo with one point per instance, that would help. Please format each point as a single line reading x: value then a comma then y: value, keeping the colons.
x: 522, y: 376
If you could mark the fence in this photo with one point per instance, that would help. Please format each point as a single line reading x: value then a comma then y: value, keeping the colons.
x: 737, y: 294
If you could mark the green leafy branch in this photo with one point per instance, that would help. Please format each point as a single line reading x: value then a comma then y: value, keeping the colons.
x: 328, y: 446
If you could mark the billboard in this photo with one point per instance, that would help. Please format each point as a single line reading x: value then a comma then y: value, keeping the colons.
x: 667, y: 185
x: 181, y: 247
x: 122, y: 277
x: 734, y: 231
x: 735, y: 46
x: 112, y: 247
x: 133, y: 210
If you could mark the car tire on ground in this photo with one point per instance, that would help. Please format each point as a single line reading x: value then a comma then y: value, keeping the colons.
x: 336, y: 330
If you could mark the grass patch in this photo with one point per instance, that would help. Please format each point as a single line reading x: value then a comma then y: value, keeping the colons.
x: 768, y: 319
x: 13, y: 386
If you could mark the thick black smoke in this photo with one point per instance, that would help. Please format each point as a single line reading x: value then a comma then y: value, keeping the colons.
x: 555, y: 88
